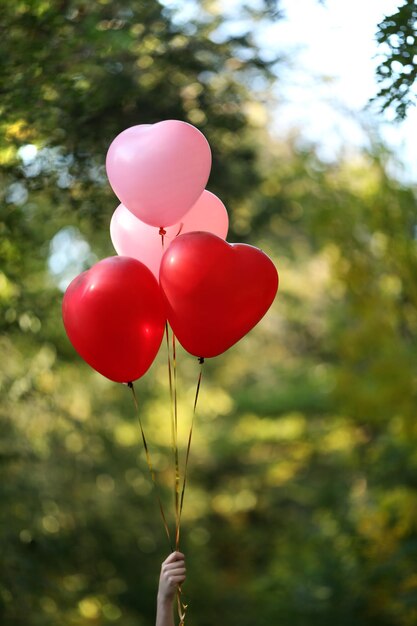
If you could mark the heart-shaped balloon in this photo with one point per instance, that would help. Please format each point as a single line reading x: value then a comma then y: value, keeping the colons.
x: 132, y: 237
x: 215, y: 291
x: 158, y: 171
x: 114, y: 317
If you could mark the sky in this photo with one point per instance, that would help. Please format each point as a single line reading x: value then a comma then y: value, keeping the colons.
x: 324, y: 89
x: 334, y: 55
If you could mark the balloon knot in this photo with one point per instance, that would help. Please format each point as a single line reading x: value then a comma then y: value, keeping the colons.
x: 201, y: 360
x: 130, y: 384
x: 162, y: 231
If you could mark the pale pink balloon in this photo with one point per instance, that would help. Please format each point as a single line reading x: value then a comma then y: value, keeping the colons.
x: 158, y: 171
x: 132, y: 237
x: 208, y: 214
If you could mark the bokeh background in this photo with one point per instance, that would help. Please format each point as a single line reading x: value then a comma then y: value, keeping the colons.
x: 301, y: 505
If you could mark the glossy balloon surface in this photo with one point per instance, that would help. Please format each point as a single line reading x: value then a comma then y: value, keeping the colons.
x: 132, y: 237
x: 158, y: 171
x: 114, y: 317
x: 215, y: 291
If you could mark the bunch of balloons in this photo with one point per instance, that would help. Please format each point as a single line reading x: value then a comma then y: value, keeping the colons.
x: 174, y: 263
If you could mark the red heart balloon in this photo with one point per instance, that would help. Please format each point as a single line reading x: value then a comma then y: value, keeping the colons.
x: 114, y: 317
x: 215, y: 291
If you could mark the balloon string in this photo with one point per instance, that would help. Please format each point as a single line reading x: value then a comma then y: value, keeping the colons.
x: 181, y: 606
x: 184, y: 483
x: 162, y: 232
x: 177, y: 465
x: 171, y: 393
x: 172, y: 378
x: 150, y: 466
x: 180, y: 229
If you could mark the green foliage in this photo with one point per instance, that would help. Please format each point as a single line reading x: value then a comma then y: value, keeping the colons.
x: 301, y: 502
x: 75, y: 74
x: 397, y: 72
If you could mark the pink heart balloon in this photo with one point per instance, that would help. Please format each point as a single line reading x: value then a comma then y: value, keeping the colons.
x: 133, y: 238
x: 158, y: 171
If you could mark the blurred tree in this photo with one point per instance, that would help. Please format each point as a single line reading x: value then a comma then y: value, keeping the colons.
x: 74, y: 75
x: 336, y: 468
x: 301, y: 504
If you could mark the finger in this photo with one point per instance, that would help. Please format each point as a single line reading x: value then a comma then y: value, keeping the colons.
x: 167, y: 567
x: 174, y: 571
x: 169, y: 576
x: 174, y: 556
x: 176, y: 580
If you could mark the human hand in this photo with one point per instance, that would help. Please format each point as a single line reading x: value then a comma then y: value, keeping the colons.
x: 172, y: 575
